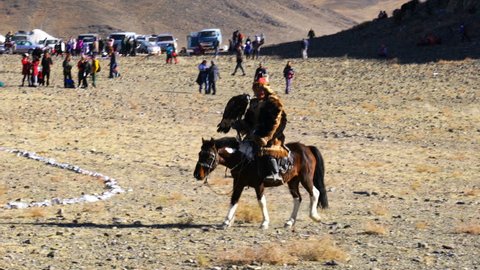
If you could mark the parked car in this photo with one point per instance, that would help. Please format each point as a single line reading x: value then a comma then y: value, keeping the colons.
x: 25, y: 46
x: 88, y: 40
x: 152, y: 39
x: 208, y: 37
x: 148, y: 48
x: 49, y: 43
x: 163, y: 40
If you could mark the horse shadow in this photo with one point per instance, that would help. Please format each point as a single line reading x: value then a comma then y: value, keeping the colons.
x: 134, y: 225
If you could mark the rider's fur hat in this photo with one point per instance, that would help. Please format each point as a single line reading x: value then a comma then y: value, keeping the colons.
x: 262, y: 86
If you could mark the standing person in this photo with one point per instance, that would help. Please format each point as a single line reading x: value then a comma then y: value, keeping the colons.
x: 202, y: 78
x: 169, y: 54
x: 95, y: 69
x: 239, y: 57
x: 84, y: 69
x: 288, y: 74
x: 261, y: 74
x: 26, y: 69
x: 67, y: 71
x: 46, y: 67
x: 248, y: 49
x: 113, y: 66
x: 304, y: 47
x: 213, y: 77
x: 35, y: 71
x: 311, y: 34
x: 216, y: 45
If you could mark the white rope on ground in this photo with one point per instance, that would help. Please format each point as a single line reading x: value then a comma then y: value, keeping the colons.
x: 110, y: 184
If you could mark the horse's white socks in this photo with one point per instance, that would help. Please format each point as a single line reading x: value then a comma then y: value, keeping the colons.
x: 313, y: 205
x: 266, y: 218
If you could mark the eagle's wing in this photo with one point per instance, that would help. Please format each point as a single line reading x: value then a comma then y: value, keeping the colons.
x: 234, y: 110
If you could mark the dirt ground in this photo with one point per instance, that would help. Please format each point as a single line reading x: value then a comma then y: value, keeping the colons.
x: 400, y: 142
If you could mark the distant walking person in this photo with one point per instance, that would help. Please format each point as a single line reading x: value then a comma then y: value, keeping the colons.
x: 202, y: 78
x: 213, y: 77
x: 304, y: 47
x: 288, y: 74
x: 239, y: 56
x: 113, y: 66
x: 46, y: 67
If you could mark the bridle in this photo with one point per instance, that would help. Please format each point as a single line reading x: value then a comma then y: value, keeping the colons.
x: 209, y: 166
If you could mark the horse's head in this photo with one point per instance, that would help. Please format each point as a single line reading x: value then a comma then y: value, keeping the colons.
x: 208, y: 159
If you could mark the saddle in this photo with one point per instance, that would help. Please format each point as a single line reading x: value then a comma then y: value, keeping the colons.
x: 285, y: 164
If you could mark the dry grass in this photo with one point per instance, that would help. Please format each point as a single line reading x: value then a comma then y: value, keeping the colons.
x: 379, y: 210
x: 374, y: 229
x: 468, y: 229
x: 3, y: 190
x: 249, y: 213
x: 35, y: 212
x: 421, y: 225
x: 369, y: 107
x: 423, y: 168
x: 323, y: 249
x: 470, y: 192
x: 169, y: 199
x: 202, y: 260
x: 94, y: 207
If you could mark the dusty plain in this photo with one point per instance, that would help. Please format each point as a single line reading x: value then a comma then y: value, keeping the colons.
x: 401, y: 144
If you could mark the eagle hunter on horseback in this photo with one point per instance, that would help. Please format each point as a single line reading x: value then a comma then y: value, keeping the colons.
x: 259, y: 143
x: 263, y: 124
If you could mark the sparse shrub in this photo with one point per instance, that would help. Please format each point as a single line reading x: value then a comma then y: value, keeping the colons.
x: 468, y: 228
x: 423, y: 168
x: 379, y: 210
x: 421, y: 225
x: 374, y: 229
x: 3, y: 190
x: 276, y: 254
x: 202, y: 261
x: 249, y: 213
x: 36, y: 212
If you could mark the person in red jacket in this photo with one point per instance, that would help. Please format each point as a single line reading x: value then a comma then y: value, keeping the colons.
x: 26, y: 69
x: 35, y: 71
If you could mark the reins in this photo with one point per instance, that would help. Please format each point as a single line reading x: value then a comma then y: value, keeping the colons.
x: 210, y: 166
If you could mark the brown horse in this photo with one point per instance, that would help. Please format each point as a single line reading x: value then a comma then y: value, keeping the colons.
x: 307, y: 168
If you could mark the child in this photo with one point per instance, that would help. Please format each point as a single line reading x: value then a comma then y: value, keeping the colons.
x: 95, y: 69
x: 35, y: 71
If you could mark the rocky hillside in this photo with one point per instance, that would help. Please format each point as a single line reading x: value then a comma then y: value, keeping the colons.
x: 415, y: 32
x: 281, y: 21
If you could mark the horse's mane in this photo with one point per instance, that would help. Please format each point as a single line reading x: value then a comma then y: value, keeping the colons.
x: 226, y: 142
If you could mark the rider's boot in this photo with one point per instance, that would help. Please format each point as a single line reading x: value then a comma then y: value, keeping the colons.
x: 273, y: 178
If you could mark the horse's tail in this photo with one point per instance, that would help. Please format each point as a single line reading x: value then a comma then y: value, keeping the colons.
x: 319, y: 177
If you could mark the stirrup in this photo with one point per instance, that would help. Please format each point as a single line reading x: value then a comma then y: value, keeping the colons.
x: 273, y: 180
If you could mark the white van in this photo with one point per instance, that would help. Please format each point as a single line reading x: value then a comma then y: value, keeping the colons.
x: 119, y: 36
x: 163, y: 40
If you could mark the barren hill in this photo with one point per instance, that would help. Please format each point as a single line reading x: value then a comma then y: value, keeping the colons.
x: 280, y: 20
x: 407, y: 33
